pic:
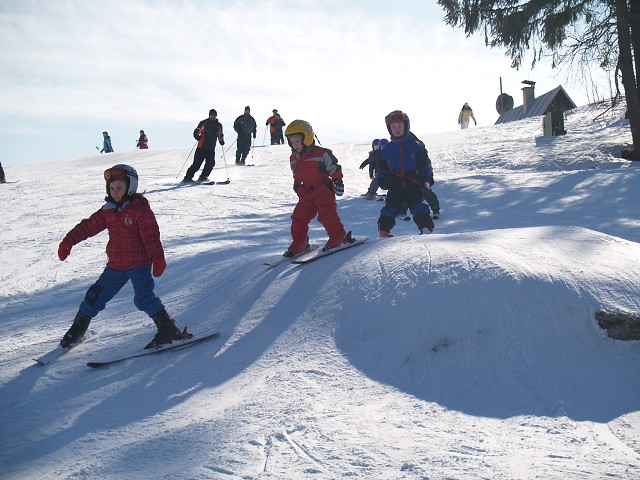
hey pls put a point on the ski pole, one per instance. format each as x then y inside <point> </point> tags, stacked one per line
<point>253,147</point>
<point>264,137</point>
<point>224,160</point>
<point>185,161</point>
<point>223,150</point>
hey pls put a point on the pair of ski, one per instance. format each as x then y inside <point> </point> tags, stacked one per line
<point>226,182</point>
<point>314,252</point>
<point>176,345</point>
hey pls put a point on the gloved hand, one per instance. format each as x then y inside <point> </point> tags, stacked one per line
<point>254,134</point>
<point>339,187</point>
<point>159,264</point>
<point>221,141</point>
<point>475,123</point>
<point>65,248</point>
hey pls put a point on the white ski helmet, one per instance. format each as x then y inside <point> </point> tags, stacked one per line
<point>122,171</point>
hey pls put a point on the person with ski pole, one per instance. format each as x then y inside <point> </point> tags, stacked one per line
<point>245,126</point>
<point>106,143</point>
<point>276,124</point>
<point>207,133</point>
<point>405,171</point>
<point>134,253</point>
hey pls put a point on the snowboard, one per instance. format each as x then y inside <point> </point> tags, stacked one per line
<point>315,255</point>
<point>282,259</point>
<point>176,345</point>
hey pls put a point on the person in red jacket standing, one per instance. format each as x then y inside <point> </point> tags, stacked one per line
<point>143,141</point>
<point>133,250</point>
<point>317,179</point>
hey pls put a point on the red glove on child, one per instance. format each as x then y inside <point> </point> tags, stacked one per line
<point>159,264</point>
<point>65,248</point>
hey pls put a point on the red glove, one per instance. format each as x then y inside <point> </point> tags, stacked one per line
<point>159,264</point>
<point>65,248</point>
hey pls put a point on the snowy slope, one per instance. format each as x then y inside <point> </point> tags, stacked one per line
<point>469,353</point>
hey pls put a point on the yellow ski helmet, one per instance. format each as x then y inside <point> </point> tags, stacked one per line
<point>303,127</point>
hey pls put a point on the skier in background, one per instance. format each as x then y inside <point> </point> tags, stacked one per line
<point>317,179</point>
<point>373,160</point>
<point>245,126</point>
<point>405,171</point>
<point>134,251</point>
<point>2,177</point>
<point>143,141</point>
<point>465,115</point>
<point>276,124</point>
<point>207,133</point>
<point>106,143</point>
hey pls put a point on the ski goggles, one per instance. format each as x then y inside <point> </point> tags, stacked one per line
<point>115,173</point>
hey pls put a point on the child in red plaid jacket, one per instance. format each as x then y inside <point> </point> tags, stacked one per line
<point>133,250</point>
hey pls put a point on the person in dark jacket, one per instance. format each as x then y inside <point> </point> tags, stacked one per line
<point>405,171</point>
<point>207,133</point>
<point>2,177</point>
<point>245,126</point>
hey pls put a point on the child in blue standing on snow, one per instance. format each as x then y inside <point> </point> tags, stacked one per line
<point>134,248</point>
<point>405,171</point>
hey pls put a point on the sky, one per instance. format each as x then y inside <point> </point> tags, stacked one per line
<point>72,69</point>
<point>473,352</point>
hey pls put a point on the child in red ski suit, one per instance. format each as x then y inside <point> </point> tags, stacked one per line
<point>134,248</point>
<point>317,179</point>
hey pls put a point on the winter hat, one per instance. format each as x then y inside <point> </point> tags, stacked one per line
<point>213,112</point>
<point>397,116</point>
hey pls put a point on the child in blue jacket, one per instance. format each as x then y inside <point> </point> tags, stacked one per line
<point>405,171</point>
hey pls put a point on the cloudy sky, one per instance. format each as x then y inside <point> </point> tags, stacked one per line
<point>71,69</point>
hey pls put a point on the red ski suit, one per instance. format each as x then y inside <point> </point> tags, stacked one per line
<point>134,236</point>
<point>314,172</point>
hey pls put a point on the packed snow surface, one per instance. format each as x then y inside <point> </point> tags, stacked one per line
<point>469,353</point>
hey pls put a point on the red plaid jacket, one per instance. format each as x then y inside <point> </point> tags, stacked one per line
<point>134,235</point>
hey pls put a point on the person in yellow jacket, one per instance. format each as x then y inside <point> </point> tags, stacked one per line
<point>465,114</point>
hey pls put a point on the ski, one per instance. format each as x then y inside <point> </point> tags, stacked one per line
<point>226,182</point>
<point>311,256</point>
<point>14,181</point>
<point>56,353</point>
<point>176,345</point>
<point>282,259</point>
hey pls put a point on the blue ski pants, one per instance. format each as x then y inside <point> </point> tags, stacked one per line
<point>110,283</point>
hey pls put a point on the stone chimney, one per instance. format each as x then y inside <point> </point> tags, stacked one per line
<point>528,94</point>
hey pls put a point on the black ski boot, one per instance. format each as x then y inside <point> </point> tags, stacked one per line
<point>75,334</point>
<point>167,330</point>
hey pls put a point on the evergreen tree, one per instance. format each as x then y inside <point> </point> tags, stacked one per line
<point>605,31</point>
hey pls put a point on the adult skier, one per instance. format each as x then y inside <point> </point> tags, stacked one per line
<point>106,143</point>
<point>207,133</point>
<point>245,126</point>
